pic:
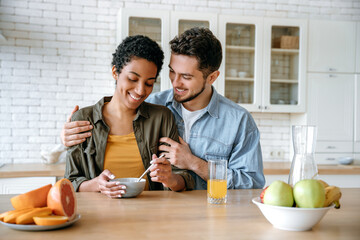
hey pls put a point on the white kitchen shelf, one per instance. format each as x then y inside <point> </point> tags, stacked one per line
<point>291,81</point>
<point>240,48</point>
<point>239,79</point>
<point>285,51</point>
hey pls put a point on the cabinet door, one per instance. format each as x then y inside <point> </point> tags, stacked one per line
<point>357,114</point>
<point>331,46</point>
<point>285,44</point>
<point>182,21</point>
<point>240,73</point>
<point>25,184</point>
<point>357,48</point>
<point>331,105</point>
<point>155,25</point>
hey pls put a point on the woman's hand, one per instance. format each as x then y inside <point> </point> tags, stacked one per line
<point>161,171</point>
<point>101,184</point>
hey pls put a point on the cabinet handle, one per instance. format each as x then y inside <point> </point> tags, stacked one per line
<point>331,147</point>
<point>330,159</point>
<point>259,107</point>
<point>332,75</point>
<point>332,69</point>
<point>266,107</point>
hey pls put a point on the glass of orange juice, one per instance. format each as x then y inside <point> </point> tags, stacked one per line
<point>217,182</point>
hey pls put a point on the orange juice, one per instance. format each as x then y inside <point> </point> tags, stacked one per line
<point>217,188</point>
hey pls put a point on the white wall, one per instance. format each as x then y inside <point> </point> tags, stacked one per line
<point>58,54</point>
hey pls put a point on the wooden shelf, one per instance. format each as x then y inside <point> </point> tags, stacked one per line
<point>239,79</point>
<point>240,48</point>
<point>285,51</point>
<point>291,81</point>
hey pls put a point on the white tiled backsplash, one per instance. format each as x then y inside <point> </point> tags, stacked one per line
<point>58,54</point>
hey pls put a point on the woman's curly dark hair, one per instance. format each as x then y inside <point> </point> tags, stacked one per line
<point>137,46</point>
<point>202,44</point>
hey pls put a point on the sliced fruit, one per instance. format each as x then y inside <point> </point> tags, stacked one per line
<point>4,214</point>
<point>27,218</point>
<point>11,217</point>
<point>33,199</point>
<point>50,220</point>
<point>62,199</point>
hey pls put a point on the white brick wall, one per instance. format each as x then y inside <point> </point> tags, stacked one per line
<point>58,54</point>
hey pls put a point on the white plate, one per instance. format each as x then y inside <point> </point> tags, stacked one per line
<point>33,227</point>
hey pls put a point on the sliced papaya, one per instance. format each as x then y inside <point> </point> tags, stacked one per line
<point>50,220</point>
<point>33,199</point>
<point>11,217</point>
<point>27,218</point>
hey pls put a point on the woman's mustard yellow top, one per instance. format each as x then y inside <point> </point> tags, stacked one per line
<point>122,157</point>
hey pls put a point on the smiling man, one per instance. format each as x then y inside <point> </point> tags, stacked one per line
<point>212,126</point>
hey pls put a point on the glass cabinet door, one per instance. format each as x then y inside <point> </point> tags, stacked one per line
<point>155,25</point>
<point>150,27</point>
<point>240,62</point>
<point>284,77</point>
<point>187,24</point>
<point>284,74</point>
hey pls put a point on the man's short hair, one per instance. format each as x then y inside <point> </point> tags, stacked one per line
<point>202,44</point>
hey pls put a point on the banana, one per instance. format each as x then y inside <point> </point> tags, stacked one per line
<point>332,195</point>
<point>323,183</point>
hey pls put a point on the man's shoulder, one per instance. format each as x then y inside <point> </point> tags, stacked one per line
<point>160,97</point>
<point>235,113</point>
<point>229,106</point>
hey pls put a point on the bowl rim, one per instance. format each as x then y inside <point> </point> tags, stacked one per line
<point>119,180</point>
<point>256,200</point>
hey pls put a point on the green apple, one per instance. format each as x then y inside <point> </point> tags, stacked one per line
<point>279,193</point>
<point>309,193</point>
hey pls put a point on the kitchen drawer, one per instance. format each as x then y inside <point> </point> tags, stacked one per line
<point>357,147</point>
<point>330,158</point>
<point>333,147</point>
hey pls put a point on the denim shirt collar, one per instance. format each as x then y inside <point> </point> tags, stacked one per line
<point>212,108</point>
<point>98,115</point>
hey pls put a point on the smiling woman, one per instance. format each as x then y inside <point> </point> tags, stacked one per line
<point>126,130</point>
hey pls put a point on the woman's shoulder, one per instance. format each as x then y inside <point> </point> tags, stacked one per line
<point>85,113</point>
<point>159,110</point>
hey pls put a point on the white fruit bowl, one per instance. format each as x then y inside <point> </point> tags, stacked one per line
<point>291,218</point>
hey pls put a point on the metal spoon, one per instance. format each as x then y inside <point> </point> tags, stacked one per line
<point>147,170</point>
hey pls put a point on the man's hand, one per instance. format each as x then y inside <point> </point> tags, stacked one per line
<point>161,171</point>
<point>74,133</point>
<point>179,154</point>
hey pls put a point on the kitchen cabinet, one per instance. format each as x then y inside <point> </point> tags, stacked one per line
<point>331,105</point>
<point>331,109</point>
<point>154,24</point>
<point>331,46</point>
<point>357,62</point>
<point>182,21</point>
<point>240,77</point>
<point>357,115</point>
<point>23,184</point>
<point>342,180</point>
<point>264,63</point>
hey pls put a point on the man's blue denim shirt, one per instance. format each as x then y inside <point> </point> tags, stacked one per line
<point>224,131</point>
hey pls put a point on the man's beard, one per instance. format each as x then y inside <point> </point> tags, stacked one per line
<point>195,95</point>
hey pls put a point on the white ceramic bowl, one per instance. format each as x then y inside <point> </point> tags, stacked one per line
<point>133,187</point>
<point>345,160</point>
<point>242,74</point>
<point>291,218</point>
